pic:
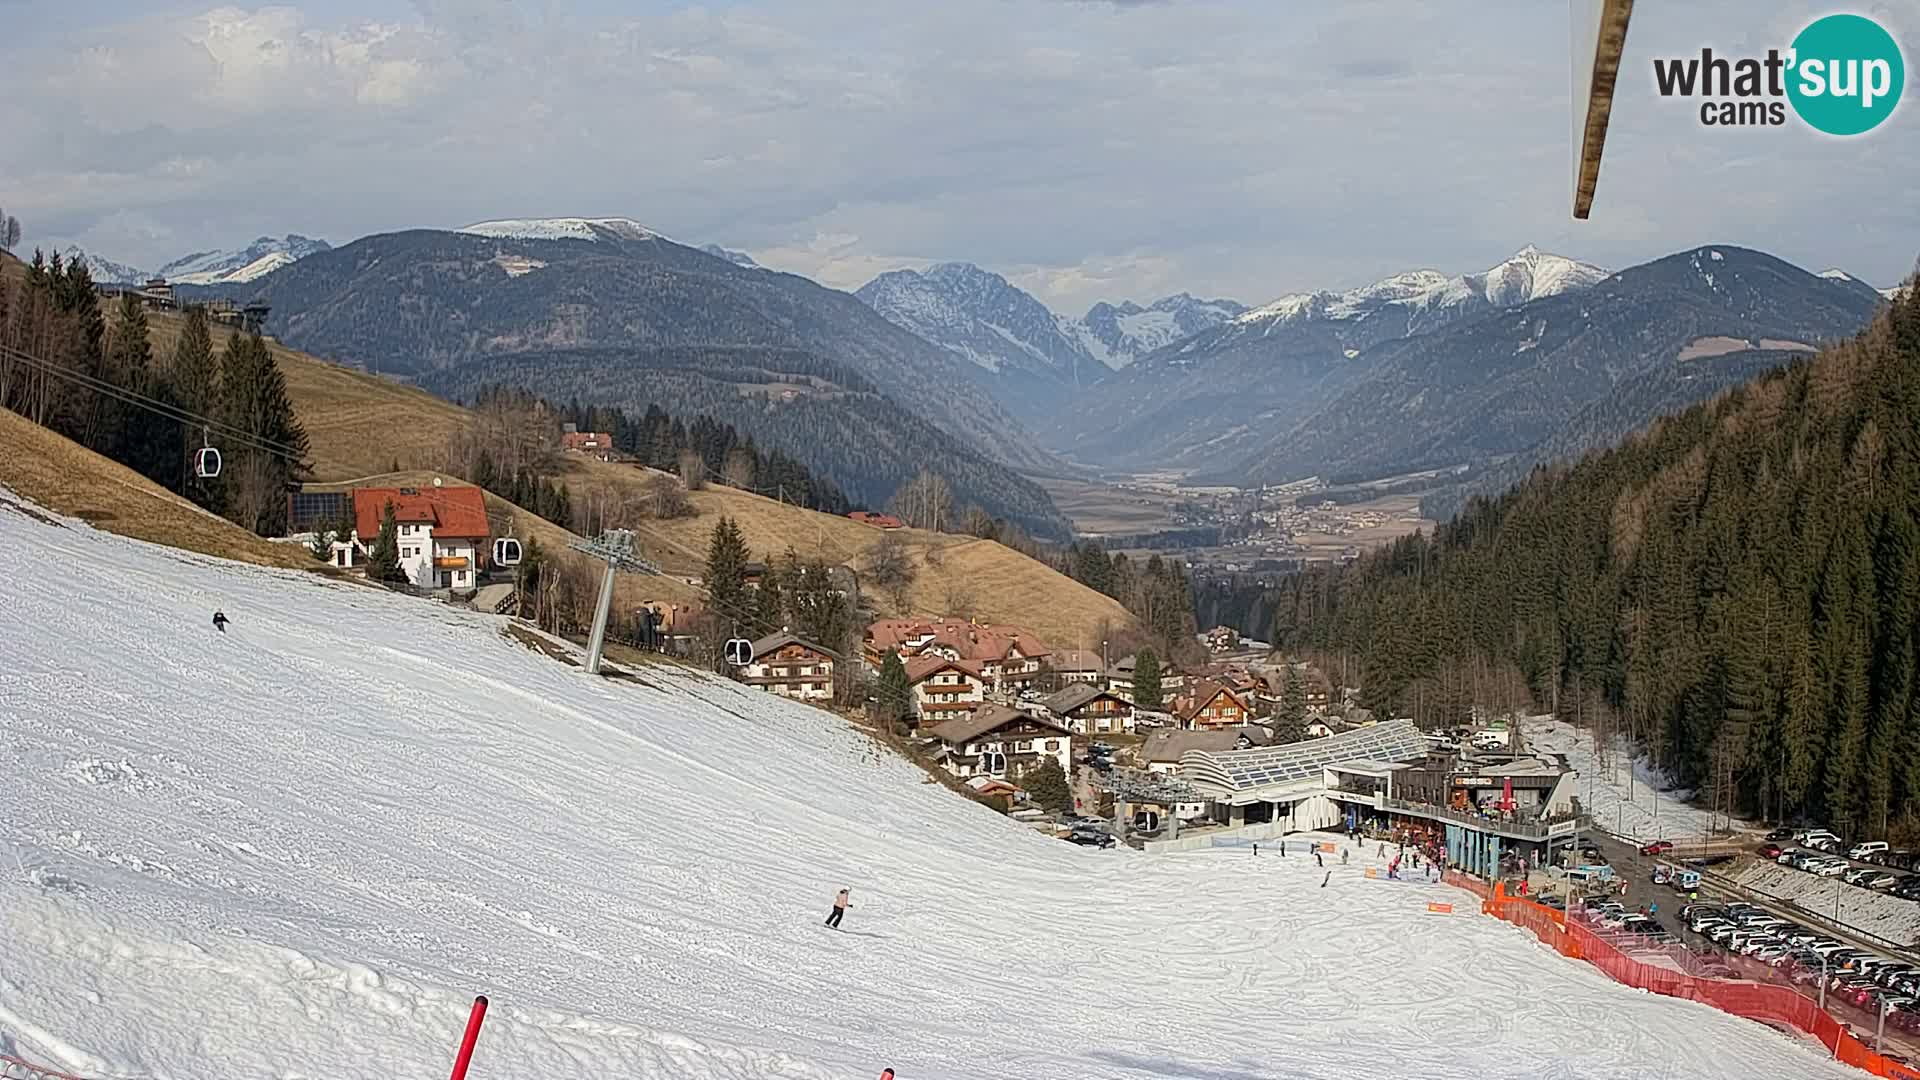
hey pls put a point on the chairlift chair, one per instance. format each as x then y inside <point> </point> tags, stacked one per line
<point>506,551</point>
<point>739,652</point>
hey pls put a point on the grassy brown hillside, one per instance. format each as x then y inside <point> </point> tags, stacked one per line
<point>62,475</point>
<point>359,424</point>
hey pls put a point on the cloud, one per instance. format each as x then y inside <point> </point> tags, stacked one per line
<point>1089,150</point>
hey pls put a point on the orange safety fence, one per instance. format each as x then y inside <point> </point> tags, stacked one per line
<point>1769,1004</point>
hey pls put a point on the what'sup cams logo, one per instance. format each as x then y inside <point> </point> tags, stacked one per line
<point>1842,75</point>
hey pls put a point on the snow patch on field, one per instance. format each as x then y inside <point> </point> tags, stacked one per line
<point>299,848</point>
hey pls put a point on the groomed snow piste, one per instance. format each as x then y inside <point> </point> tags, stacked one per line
<point>299,848</point>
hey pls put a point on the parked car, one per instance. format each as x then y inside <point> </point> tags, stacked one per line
<point>1658,847</point>
<point>1869,847</point>
<point>1780,834</point>
<point>1091,838</point>
<point>1770,851</point>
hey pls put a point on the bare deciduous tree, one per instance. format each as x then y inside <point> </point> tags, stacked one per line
<point>667,499</point>
<point>924,502</point>
<point>738,470</point>
<point>693,470</point>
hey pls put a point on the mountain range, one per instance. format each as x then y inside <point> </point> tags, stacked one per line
<point>233,266</point>
<point>416,304</point>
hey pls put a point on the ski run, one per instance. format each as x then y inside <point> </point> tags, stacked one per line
<point>299,848</point>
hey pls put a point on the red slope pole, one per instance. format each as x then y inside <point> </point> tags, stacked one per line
<point>473,1035</point>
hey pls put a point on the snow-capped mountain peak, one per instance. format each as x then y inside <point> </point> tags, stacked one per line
<point>737,258</point>
<point>563,228</point>
<point>265,255</point>
<point>1529,274</point>
<point>979,315</point>
<point>105,271</point>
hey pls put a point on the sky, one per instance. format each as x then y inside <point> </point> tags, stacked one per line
<point>1087,149</point>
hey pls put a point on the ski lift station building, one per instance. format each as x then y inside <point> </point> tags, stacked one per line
<point>1387,775</point>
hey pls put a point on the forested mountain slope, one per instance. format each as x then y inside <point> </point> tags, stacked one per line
<point>1740,584</point>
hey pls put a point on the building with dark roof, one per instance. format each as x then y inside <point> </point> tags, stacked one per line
<point>1001,742</point>
<point>790,666</point>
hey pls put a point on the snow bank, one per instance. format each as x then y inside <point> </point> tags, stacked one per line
<point>298,848</point>
<point>1876,913</point>
<point>1648,808</point>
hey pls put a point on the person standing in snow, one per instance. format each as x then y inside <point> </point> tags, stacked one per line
<point>840,906</point>
<point>1343,856</point>
<point>1256,849</point>
<point>220,621</point>
<point>1317,861</point>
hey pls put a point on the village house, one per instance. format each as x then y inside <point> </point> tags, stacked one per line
<point>1085,709</point>
<point>878,521</point>
<point>943,688</point>
<point>595,444</point>
<point>1009,657</point>
<point>441,533</point>
<point>1221,639</point>
<point>1078,666</point>
<point>1001,742</point>
<point>1161,753</point>
<point>1211,705</point>
<point>790,666</point>
<point>1120,678</point>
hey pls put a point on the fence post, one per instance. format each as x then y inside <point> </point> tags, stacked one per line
<point>474,1018</point>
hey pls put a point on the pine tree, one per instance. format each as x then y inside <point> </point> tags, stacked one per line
<point>1146,681</point>
<point>383,558</point>
<point>193,383</point>
<point>892,693</point>
<point>258,477</point>
<point>1292,717</point>
<point>770,604</point>
<point>726,577</point>
<point>1046,784</point>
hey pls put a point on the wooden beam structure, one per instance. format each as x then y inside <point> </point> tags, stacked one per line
<point>1599,36</point>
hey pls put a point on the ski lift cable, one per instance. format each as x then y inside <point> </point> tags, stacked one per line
<point>166,410</point>
<point>175,413</point>
<point>244,439</point>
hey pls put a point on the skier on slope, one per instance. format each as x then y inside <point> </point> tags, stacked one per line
<point>840,906</point>
<point>220,621</point>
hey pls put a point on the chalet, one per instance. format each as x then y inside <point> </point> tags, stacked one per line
<point>1085,709</point>
<point>878,521</point>
<point>1163,749</point>
<point>1009,657</point>
<point>1001,742</point>
<point>788,665</point>
<point>1210,705</point>
<point>1221,639</point>
<point>441,533</point>
<point>1078,666</point>
<point>1120,677</point>
<point>944,689</point>
<point>596,444</point>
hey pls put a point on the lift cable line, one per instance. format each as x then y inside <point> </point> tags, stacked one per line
<point>242,438</point>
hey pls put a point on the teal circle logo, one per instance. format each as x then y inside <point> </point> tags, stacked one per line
<point>1846,74</point>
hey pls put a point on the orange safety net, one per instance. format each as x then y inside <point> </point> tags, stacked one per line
<point>1779,1006</point>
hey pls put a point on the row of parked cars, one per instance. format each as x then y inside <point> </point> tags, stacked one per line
<point>1859,978</point>
<point>1615,916</point>
<point>1819,856</point>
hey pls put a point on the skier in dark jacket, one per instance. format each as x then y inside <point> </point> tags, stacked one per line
<point>220,621</point>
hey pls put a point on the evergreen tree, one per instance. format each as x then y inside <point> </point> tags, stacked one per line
<point>770,605</point>
<point>146,441</point>
<point>1291,720</point>
<point>258,477</point>
<point>193,383</point>
<point>893,694</point>
<point>820,612</point>
<point>1146,680</point>
<point>726,577</point>
<point>383,558</point>
<point>1046,784</point>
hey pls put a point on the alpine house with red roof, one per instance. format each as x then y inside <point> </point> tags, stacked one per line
<point>442,531</point>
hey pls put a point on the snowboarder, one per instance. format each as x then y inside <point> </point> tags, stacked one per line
<point>220,621</point>
<point>840,906</point>
<point>886,1074</point>
<point>1256,849</point>
<point>1382,853</point>
<point>1317,861</point>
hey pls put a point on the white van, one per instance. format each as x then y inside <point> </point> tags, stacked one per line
<point>1861,851</point>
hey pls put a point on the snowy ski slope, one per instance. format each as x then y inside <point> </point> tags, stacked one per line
<point>297,850</point>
